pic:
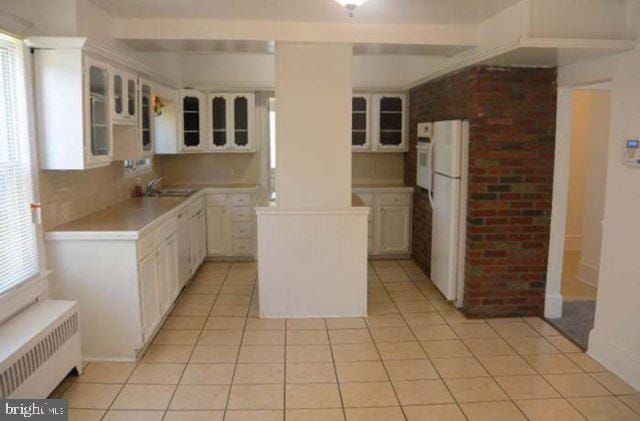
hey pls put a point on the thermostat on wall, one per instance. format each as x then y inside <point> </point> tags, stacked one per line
<point>632,152</point>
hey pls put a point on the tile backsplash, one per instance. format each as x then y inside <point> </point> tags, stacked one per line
<point>377,168</point>
<point>208,168</point>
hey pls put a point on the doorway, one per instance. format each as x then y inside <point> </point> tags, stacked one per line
<point>587,166</point>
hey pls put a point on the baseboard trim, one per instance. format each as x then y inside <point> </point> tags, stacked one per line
<point>620,361</point>
<point>553,306</point>
<point>588,273</point>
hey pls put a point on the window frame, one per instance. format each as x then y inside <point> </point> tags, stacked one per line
<point>35,288</point>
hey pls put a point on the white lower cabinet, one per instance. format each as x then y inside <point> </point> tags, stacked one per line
<point>389,219</point>
<point>198,229</point>
<point>149,284</point>
<point>231,223</point>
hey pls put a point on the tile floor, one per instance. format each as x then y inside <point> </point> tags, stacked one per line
<point>415,357</point>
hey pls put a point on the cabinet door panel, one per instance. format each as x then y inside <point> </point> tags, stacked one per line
<point>216,231</point>
<point>218,121</point>
<point>146,119</point>
<point>193,119</point>
<point>394,229</point>
<point>184,246</point>
<point>360,125</point>
<point>150,300</point>
<point>389,121</point>
<point>99,105</point>
<point>242,108</point>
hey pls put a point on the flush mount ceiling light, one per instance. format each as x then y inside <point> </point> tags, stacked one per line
<point>350,5</point>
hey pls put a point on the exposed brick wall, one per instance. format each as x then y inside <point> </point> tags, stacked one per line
<point>511,113</point>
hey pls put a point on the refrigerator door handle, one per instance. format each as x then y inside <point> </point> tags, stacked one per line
<point>432,170</point>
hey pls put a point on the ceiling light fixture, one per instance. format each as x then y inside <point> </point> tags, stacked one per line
<point>350,5</point>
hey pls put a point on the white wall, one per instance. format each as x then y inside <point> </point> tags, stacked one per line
<point>615,340</point>
<point>313,108</point>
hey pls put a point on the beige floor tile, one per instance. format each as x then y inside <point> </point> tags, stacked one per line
<point>200,397</point>
<point>346,323</point>
<point>91,395</point>
<point>361,371</point>
<point>494,346</point>
<point>310,373</point>
<point>474,331</point>
<point>420,369</point>
<point>184,322</point>
<point>563,344</point>
<point>168,354</point>
<point>269,396</point>
<point>614,383</point>
<point>263,337</point>
<point>211,354</point>
<point>552,364</point>
<point>509,329</point>
<point>576,385</point>
<point>368,394</point>
<point>194,416</point>
<point>157,373</point>
<point>446,412</point>
<point>259,373</point>
<point>355,352</point>
<point>408,307</point>
<point>308,354</point>
<point>532,345</point>
<point>207,299</point>
<point>314,395</point>
<point>349,336</point>
<point>435,333</point>
<point>382,308</point>
<point>229,309</point>
<point>228,323</point>
<point>233,299</point>
<point>418,320</point>
<point>479,389</point>
<point>422,392</point>
<point>176,337</point>
<point>314,415</point>
<point>306,324</point>
<point>307,337</point>
<point>492,411</point>
<point>124,415</point>
<point>392,334</point>
<point>549,409</point>
<point>585,362</point>
<point>220,337</point>
<point>506,365</point>
<point>191,310</point>
<point>451,368</point>
<point>252,415</point>
<point>455,316</point>
<point>261,354</point>
<point>85,414</point>
<point>400,350</point>
<point>604,409</point>
<point>106,372</point>
<point>393,413</point>
<point>526,387</point>
<point>542,327</point>
<point>445,349</point>
<point>207,374</point>
<point>144,396</point>
<point>385,320</point>
<point>633,401</point>
<point>256,323</point>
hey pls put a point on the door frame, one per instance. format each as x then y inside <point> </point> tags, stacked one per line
<point>562,157</point>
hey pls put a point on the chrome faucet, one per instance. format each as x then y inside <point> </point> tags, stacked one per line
<point>151,186</point>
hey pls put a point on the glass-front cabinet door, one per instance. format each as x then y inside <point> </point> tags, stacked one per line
<point>124,97</point>
<point>389,122</point>
<point>131,98</point>
<point>98,137</point>
<point>243,121</point>
<point>360,136</point>
<point>219,121</point>
<point>192,120</point>
<point>146,119</point>
<point>118,95</point>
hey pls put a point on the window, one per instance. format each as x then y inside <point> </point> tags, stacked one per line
<point>137,166</point>
<point>19,256</point>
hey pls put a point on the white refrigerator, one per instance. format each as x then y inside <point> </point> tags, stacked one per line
<point>448,194</point>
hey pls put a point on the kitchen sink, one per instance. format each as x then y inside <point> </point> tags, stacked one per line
<point>172,193</point>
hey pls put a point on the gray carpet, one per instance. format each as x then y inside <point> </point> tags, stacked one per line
<point>576,321</point>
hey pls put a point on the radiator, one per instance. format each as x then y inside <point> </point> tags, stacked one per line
<point>39,347</point>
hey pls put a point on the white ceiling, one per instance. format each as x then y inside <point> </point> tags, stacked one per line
<point>373,11</point>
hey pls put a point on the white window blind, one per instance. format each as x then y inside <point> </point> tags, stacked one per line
<point>18,241</point>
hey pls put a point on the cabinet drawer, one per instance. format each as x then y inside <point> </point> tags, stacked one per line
<point>395,199</point>
<point>239,199</point>
<point>167,229</point>
<point>240,214</point>
<point>241,230</point>
<point>147,244</point>
<point>216,199</point>
<point>196,207</point>
<point>242,247</point>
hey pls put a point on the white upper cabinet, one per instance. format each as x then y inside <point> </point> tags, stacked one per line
<point>193,121</point>
<point>146,120</point>
<point>99,140</point>
<point>125,97</point>
<point>231,122</point>
<point>389,122</point>
<point>360,122</point>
